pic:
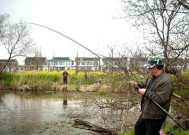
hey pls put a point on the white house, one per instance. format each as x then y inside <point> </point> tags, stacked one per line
<point>87,63</point>
<point>60,63</point>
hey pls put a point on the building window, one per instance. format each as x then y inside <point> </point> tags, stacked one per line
<point>82,63</point>
<point>95,63</point>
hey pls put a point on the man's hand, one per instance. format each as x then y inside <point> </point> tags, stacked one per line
<point>133,83</point>
<point>142,91</point>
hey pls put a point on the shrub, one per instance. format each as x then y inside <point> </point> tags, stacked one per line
<point>101,92</point>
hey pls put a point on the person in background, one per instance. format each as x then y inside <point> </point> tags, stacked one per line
<point>158,88</point>
<point>65,77</point>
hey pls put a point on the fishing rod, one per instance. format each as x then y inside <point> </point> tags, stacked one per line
<point>169,115</point>
<point>64,36</point>
<point>128,79</point>
<point>101,57</point>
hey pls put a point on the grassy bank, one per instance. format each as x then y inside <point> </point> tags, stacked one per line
<point>168,130</point>
<point>52,80</point>
<point>46,80</point>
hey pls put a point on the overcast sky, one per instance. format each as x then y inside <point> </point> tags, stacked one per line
<point>92,23</point>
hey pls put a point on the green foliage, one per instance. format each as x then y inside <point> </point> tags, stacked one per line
<point>87,82</point>
<point>55,78</point>
<point>129,132</point>
<point>32,78</point>
<point>169,128</point>
<point>74,77</point>
<point>7,77</point>
<point>101,92</point>
<point>86,77</point>
<point>48,79</point>
<point>77,87</point>
<point>182,92</point>
<point>186,73</point>
<point>180,81</point>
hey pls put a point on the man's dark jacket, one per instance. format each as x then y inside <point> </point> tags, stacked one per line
<point>160,91</point>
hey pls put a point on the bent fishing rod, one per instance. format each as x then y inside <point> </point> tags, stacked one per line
<point>64,36</point>
<point>126,77</point>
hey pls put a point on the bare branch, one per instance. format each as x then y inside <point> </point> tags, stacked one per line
<point>15,38</point>
<point>165,30</point>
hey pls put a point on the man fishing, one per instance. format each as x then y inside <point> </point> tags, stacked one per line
<point>157,88</point>
<point>65,77</point>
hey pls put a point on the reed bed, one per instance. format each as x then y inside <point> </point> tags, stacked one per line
<point>50,80</point>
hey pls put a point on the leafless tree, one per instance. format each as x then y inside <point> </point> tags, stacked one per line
<point>15,38</point>
<point>165,27</point>
<point>3,19</point>
<point>184,3</point>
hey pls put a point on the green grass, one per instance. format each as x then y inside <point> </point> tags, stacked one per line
<point>168,128</point>
<point>129,132</point>
<point>182,92</point>
<point>101,92</point>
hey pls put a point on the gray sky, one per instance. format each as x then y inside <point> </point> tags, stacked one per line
<point>89,22</point>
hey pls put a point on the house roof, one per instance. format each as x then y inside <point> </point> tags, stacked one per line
<point>35,59</point>
<point>114,58</point>
<point>87,59</point>
<point>5,60</point>
<point>61,58</point>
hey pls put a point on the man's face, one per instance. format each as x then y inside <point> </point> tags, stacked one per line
<point>152,70</point>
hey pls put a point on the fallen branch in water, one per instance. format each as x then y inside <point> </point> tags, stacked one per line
<point>86,125</point>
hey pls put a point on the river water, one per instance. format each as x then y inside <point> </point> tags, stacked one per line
<point>54,113</point>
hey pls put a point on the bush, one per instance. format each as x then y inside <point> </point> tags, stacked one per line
<point>7,78</point>
<point>180,81</point>
<point>101,92</point>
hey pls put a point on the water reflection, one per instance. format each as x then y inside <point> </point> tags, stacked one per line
<point>19,109</point>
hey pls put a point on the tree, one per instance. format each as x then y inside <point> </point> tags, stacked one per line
<point>164,24</point>
<point>15,38</point>
<point>184,3</point>
<point>3,19</point>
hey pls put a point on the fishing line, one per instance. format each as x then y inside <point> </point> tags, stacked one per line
<point>65,37</point>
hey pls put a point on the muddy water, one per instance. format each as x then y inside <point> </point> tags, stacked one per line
<point>54,112</point>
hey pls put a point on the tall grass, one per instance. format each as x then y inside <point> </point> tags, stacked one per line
<point>35,79</point>
<point>49,79</point>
